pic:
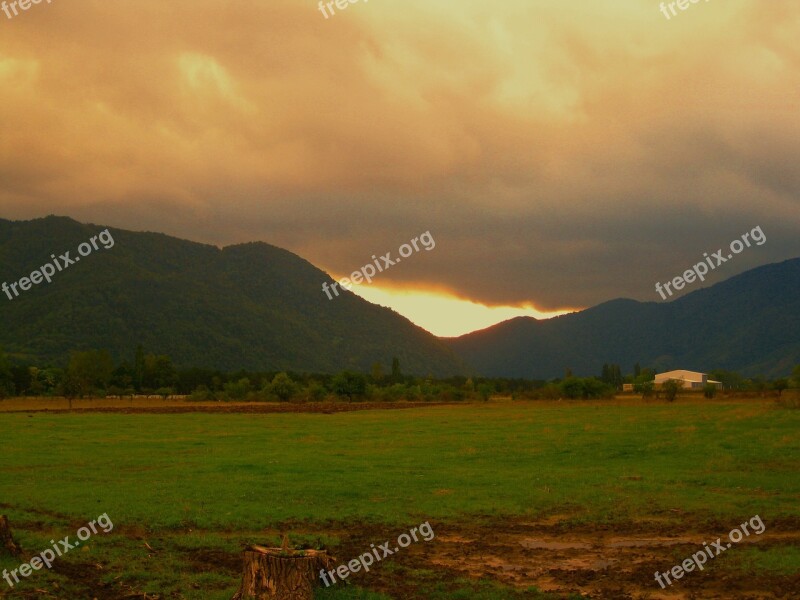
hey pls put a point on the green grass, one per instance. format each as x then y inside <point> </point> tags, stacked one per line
<point>784,560</point>
<point>226,477</point>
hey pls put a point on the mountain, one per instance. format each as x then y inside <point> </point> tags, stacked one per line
<point>249,306</point>
<point>749,323</point>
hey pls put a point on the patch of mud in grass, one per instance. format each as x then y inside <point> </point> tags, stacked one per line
<point>600,564</point>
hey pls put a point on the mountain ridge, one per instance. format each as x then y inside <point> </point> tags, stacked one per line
<point>245,306</point>
<point>703,330</point>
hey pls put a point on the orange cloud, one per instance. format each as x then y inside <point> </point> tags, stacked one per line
<point>562,153</point>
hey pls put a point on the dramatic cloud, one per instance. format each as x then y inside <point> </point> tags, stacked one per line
<point>562,153</point>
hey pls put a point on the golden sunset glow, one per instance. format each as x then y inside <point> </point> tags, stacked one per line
<point>562,153</point>
<point>445,315</point>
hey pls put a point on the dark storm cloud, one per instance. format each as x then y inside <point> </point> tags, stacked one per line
<point>561,153</point>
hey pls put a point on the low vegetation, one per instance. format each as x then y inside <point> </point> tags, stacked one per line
<point>94,374</point>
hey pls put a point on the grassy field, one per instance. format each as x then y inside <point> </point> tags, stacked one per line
<point>186,492</point>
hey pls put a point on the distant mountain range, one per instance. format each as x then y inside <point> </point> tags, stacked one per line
<point>749,323</point>
<point>258,307</point>
<point>249,306</point>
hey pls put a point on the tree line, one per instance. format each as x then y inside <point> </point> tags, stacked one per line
<point>93,373</point>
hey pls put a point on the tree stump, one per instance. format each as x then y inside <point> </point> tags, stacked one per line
<point>281,573</point>
<point>6,539</point>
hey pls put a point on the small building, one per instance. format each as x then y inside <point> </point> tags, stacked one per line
<point>692,380</point>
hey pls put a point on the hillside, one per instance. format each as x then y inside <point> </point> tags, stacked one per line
<point>749,323</point>
<point>249,306</point>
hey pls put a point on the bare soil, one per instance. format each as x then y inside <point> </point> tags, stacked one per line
<point>595,561</point>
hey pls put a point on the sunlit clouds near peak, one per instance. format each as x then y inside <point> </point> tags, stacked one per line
<point>443,314</point>
<point>563,153</point>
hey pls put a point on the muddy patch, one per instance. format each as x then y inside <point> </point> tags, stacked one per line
<point>601,564</point>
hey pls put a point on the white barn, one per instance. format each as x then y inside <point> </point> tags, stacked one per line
<point>691,379</point>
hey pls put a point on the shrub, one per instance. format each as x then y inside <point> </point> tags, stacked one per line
<point>594,388</point>
<point>238,390</point>
<point>549,392</point>
<point>202,394</point>
<point>572,387</point>
<point>645,388</point>
<point>485,391</point>
<point>395,392</point>
<point>282,386</point>
<point>780,385</point>
<point>316,391</point>
<point>671,388</point>
<point>413,393</point>
<point>349,384</point>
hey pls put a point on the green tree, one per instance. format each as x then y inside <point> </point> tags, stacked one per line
<point>37,389</point>
<point>758,384</point>
<point>395,392</point>
<point>123,377</point>
<point>730,379</point>
<point>594,388</point>
<point>780,384</point>
<point>87,372</point>
<point>238,390</point>
<point>671,388</point>
<point>612,375</point>
<point>645,388</point>
<point>282,386</point>
<point>377,372</point>
<point>49,380</point>
<point>316,391</point>
<point>22,380</point>
<point>159,372</point>
<point>573,387</point>
<point>350,384</point>
<point>201,394</point>
<point>6,377</point>
<point>709,390</point>
<point>397,375</point>
<point>165,392</point>
<point>796,377</point>
<point>138,368</point>
<point>70,388</point>
<point>485,390</point>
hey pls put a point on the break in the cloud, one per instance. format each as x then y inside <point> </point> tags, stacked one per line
<point>563,153</point>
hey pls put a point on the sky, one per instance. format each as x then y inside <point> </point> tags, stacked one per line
<point>561,153</point>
